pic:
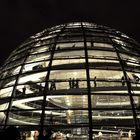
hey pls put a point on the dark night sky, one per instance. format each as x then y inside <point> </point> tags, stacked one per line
<point>21,18</point>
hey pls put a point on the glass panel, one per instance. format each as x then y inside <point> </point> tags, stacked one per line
<point>8,82</point>
<point>98,39</point>
<point>129,58</point>
<point>102,63</point>
<point>30,88</point>
<point>29,102</point>
<point>67,61</point>
<point>26,107</point>
<point>24,48</point>
<point>104,45</point>
<point>80,133</point>
<point>48,37</point>
<point>70,39</point>
<point>105,78</point>
<point>102,54</point>
<point>19,55</point>
<point>111,101</point>
<point>73,25</point>
<point>14,63</point>
<point>113,117</point>
<point>40,49</point>
<point>22,90</point>
<point>68,101</point>
<point>6,92</point>
<point>69,45</point>
<point>37,77</point>
<point>11,72</point>
<point>65,79</point>
<point>55,31</point>
<point>103,60</point>
<point>72,32</point>
<point>106,74</point>
<point>69,54</point>
<point>131,66</point>
<point>96,33</point>
<point>24,117</point>
<point>66,74</point>
<point>114,125</point>
<point>38,57</point>
<point>134,78</point>
<point>35,66</point>
<point>58,84</point>
<point>65,117</point>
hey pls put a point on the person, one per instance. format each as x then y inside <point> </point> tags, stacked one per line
<point>24,136</point>
<point>73,83</point>
<point>76,83</point>
<point>136,78</point>
<point>12,133</point>
<point>36,134</point>
<point>50,48</point>
<point>58,48</point>
<point>73,46</point>
<point>95,81</point>
<point>58,136</point>
<point>70,83</point>
<point>44,136</point>
<point>130,135</point>
<point>40,88</point>
<point>123,81</point>
<point>91,43</point>
<point>53,86</point>
<point>24,90</point>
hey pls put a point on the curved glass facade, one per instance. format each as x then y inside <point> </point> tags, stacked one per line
<point>79,78</point>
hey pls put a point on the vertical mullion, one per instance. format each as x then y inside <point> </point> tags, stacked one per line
<point>47,83</point>
<point>88,85</point>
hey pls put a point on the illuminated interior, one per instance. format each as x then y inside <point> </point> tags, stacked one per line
<point>75,77</point>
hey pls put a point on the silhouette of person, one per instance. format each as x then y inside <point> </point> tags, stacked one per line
<point>73,46</point>
<point>76,83</point>
<point>91,43</point>
<point>12,133</point>
<point>44,136</point>
<point>24,90</point>
<point>2,134</point>
<point>123,81</point>
<point>58,48</point>
<point>95,84</point>
<point>136,77</point>
<point>40,88</point>
<point>70,83</point>
<point>53,86</point>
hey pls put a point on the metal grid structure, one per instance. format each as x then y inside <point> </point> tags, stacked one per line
<point>76,77</point>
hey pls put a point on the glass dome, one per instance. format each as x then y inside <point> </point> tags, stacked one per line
<point>79,78</point>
